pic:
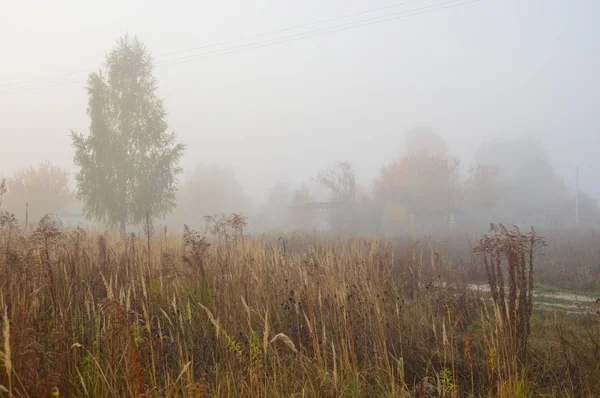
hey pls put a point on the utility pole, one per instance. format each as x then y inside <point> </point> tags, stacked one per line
<point>577,195</point>
<point>26,217</point>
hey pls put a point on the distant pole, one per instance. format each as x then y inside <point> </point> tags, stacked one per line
<point>577,195</point>
<point>26,217</point>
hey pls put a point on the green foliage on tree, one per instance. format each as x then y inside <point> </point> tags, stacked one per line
<point>129,161</point>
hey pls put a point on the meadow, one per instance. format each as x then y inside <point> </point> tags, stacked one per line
<point>218,313</point>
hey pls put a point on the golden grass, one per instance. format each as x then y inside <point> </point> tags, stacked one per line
<point>87,314</point>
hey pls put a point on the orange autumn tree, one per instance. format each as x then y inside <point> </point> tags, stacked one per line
<point>421,187</point>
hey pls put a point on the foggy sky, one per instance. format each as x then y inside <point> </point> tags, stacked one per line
<point>490,70</point>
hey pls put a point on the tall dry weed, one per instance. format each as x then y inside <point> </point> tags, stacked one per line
<point>515,251</point>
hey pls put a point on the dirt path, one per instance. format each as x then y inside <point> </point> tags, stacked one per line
<point>565,301</point>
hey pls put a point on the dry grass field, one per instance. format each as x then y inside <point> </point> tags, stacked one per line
<point>87,314</point>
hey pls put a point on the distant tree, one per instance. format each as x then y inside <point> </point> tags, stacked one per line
<point>340,180</point>
<point>483,192</point>
<point>532,191</point>
<point>424,185</point>
<point>45,189</point>
<point>129,162</point>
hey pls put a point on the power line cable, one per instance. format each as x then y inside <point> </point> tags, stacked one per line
<point>28,89</point>
<point>317,32</point>
<point>86,71</point>
<point>288,38</point>
<point>270,42</point>
<point>305,25</point>
<point>244,47</point>
<point>41,79</point>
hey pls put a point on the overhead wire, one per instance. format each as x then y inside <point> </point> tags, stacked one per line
<point>266,43</point>
<point>86,71</point>
<point>318,32</point>
<point>304,25</point>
